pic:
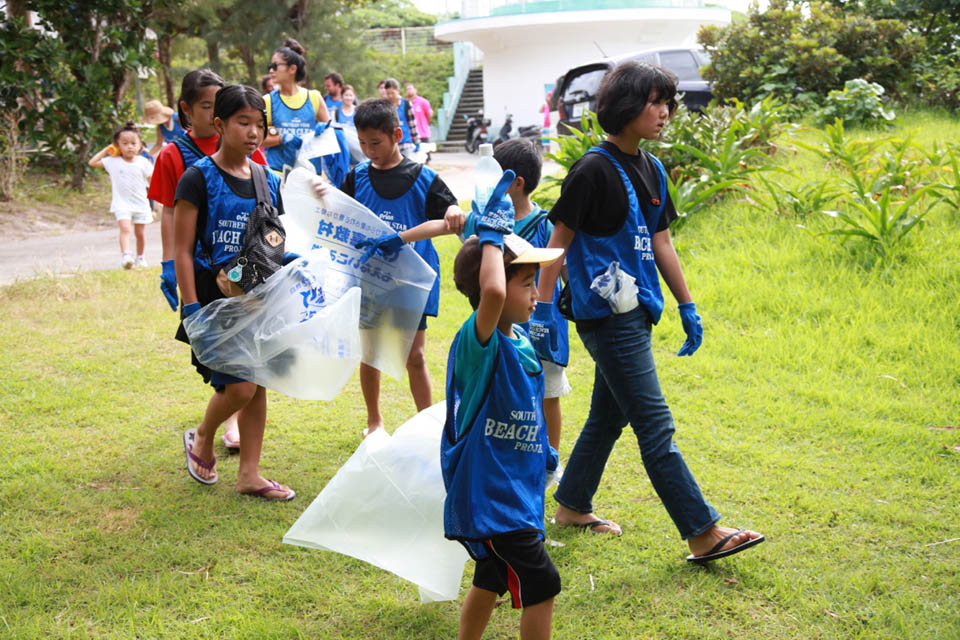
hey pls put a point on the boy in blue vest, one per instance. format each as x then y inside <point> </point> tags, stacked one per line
<point>522,156</point>
<point>404,194</point>
<point>494,450</point>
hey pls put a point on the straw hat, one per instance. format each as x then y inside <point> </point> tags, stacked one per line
<point>156,113</point>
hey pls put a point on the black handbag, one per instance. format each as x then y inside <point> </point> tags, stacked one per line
<point>263,243</point>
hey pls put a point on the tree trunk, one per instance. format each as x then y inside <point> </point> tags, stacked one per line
<point>250,62</point>
<point>80,166</point>
<point>213,55</point>
<point>163,54</point>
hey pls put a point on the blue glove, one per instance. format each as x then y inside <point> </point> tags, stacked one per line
<point>190,309</point>
<point>386,245</point>
<point>290,256</point>
<point>496,219</point>
<point>543,331</point>
<point>168,283</point>
<point>692,326</point>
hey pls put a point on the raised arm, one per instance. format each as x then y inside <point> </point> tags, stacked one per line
<point>97,160</point>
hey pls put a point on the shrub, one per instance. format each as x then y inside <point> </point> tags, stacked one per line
<point>937,80</point>
<point>860,103</point>
<point>799,55</point>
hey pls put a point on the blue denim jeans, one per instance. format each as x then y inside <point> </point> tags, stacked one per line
<point>626,389</point>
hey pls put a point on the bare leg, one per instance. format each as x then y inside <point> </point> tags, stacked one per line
<point>125,226</point>
<point>251,421</point>
<point>232,432</point>
<point>370,385</point>
<point>535,621</point>
<point>419,374</point>
<point>551,411</point>
<point>475,613</point>
<point>221,406</point>
<point>141,239</point>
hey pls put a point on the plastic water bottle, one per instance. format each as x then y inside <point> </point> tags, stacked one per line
<point>486,175</point>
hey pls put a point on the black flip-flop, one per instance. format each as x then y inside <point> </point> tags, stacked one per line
<point>716,554</point>
<point>593,525</point>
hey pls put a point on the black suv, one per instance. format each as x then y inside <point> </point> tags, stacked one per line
<point>578,87</point>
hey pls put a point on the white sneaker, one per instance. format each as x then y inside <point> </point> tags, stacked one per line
<point>126,260</point>
<point>141,261</point>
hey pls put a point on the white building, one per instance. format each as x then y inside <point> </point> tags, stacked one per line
<point>524,46</point>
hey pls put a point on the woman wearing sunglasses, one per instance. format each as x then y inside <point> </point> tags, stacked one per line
<point>292,110</point>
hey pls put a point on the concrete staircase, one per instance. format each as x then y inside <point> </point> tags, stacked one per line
<point>471,101</point>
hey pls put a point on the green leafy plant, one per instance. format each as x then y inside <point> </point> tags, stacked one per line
<point>883,219</point>
<point>800,201</point>
<point>577,143</point>
<point>860,103</point>
<point>692,195</point>
<point>841,152</point>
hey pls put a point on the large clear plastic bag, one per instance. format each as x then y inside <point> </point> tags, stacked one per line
<point>291,334</point>
<point>395,290</point>
<point>385,506</point>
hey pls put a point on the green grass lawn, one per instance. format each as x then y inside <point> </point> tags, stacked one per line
<point>823,409</point>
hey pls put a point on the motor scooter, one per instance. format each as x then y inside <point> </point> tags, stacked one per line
<point>476,131</point>
<point>530,131</point>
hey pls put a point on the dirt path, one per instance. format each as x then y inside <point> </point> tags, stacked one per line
<point>41,242</point>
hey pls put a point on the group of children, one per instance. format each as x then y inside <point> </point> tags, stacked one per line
<point>505,368</point>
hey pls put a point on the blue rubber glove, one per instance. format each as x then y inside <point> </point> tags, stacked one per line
<point>190,309</point>
<point>543,331</point>
<point>692,326</point>
<point>290,256</point>
<point>496,219</point>
<point>386,245</point>
<point>168,283</point>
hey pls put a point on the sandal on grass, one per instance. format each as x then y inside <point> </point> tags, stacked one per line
<point>189,436</point>
<point>716,554</point>
<point>273,486</point>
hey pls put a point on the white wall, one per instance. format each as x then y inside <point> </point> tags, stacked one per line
<point>521,53</point>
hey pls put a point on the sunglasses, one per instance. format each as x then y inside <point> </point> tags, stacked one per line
<point>273,65</point>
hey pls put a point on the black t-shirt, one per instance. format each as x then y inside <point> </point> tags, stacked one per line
<point>393,183</point>
<point>193,188</point>
<point>594,200</point>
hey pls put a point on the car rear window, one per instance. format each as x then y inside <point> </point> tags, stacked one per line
<point>682,63</point>
<point>583,86</point>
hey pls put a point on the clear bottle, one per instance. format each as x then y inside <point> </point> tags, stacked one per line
<point>486,175</point>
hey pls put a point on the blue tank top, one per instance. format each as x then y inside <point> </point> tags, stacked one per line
<point>221,234</point>
<point>403,213</point>
<point>296,122</point>
<point>189,151</point>
<point>632,246</point>
<point>495,471</point>
<point>169,135</point>
<point>404,124</point>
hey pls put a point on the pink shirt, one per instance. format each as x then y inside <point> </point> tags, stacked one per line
<point>422,113</point>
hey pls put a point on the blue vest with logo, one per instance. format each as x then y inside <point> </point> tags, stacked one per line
<point>495,471</point>
<point>189,151</point>
<point>220,235</point>
<point>169,135</point>
<point>632,246</point>
<point>401,214</point>
<point>296,122</point>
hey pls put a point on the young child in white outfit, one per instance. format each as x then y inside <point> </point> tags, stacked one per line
<point>130,175</point>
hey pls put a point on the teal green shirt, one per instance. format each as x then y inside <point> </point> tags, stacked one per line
<point>474,362</point>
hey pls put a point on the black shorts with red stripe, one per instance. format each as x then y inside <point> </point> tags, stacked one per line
<point>518,563</point>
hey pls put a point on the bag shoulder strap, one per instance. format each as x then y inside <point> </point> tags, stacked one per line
<point>260,186</point>
<point>531,229</point>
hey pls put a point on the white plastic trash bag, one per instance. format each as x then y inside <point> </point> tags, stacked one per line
<point>617,287</point>
<point>394,290</point>
<point>385,507</point>
<point>290,334</point>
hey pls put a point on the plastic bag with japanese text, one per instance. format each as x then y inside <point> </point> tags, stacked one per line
<point>291,334</point>
<point>385,506</point>
<point>395,289</point>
